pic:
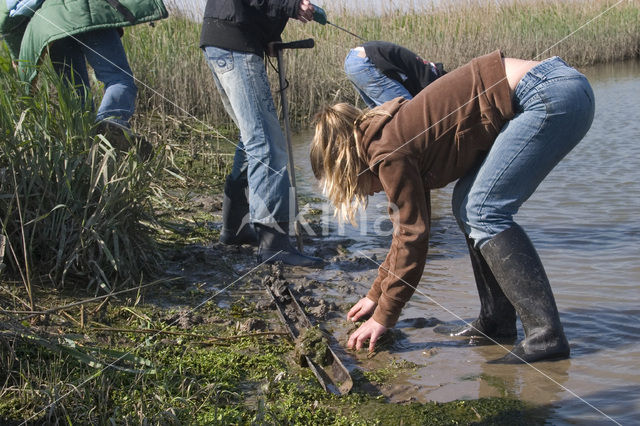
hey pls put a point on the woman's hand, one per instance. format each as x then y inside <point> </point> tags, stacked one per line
<point>364,307</point>
<point>370,330</point>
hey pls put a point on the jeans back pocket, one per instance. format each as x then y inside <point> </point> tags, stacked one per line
<point>220,60</point>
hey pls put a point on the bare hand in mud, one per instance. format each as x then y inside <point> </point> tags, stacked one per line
<point>370,330</point>
<point>363,308</point>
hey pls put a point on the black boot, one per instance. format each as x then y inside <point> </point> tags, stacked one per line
<point>497,319</point>
<point>517,268</point>
<point>236,226</point>
<point>274,246</point>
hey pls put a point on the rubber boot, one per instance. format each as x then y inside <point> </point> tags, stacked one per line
<point>497,319</point>
<point>236,226</point>
<point>274,246</point>
<point>519,271</point>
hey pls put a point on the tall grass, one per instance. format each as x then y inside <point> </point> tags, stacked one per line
<point>167,56</point>
<point>71,207</point>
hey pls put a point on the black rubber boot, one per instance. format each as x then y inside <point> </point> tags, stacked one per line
<point>274,246</point>
<point>236,226</point>
<point>497,319</point>
<point>519,271</point>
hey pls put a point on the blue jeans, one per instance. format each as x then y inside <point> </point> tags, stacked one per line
<point>554,107</point>
<point>374,87</point>
<point>241,79</point>
<point>103,50</point>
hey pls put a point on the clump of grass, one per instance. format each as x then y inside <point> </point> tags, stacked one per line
<point>72,208</point>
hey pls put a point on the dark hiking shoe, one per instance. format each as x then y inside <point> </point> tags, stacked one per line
<point>274,246</point>
<point>123,139</point>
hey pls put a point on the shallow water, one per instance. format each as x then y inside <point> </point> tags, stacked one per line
<point>583,221</point>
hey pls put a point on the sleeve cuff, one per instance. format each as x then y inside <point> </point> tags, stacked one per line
<point>388,311</point>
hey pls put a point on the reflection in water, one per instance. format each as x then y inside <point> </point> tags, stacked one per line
<point>583,219</point>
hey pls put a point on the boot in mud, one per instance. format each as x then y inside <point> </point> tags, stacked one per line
<point>519,271</point>
<point>497,318</point>
<point>236,226</point>
<point>274,246</point>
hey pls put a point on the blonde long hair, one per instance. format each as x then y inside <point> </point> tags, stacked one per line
<point>336,158</point>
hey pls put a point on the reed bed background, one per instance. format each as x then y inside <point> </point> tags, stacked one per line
<point>167,57</point>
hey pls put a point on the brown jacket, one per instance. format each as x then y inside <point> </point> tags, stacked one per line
<point>426,143</point>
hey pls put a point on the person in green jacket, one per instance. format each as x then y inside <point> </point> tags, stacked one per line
<point>77,33</point>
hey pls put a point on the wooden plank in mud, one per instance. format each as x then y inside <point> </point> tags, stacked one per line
<point>333,377</point>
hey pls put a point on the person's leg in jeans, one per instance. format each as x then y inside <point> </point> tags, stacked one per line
<point>104,52</point>
<point>374,87</point>
<point>242,81</point>
<point>554,109</point>
<point>106,55</point>
<point>237,228</point>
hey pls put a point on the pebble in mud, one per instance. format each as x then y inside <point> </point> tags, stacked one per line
<point>265,305</point>
<point>252,324</point>
<point>362,278</point>
<point>322,309</point>
<point>305,286</point>
<point>308,301</point>
<point>430,352</point>
<point>185,319</point>
<point>319,308</point>
<point>346,289</point>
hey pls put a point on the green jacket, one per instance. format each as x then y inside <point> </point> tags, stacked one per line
<point>56,19</point>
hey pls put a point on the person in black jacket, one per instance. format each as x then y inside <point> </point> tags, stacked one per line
<point>235,37</point>
<point>382,71</point>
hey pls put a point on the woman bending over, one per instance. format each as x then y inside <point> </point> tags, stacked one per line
<point>498,126</point>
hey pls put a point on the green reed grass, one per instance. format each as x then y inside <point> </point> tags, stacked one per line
<point>167,56</point>
<point>72,208</point>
